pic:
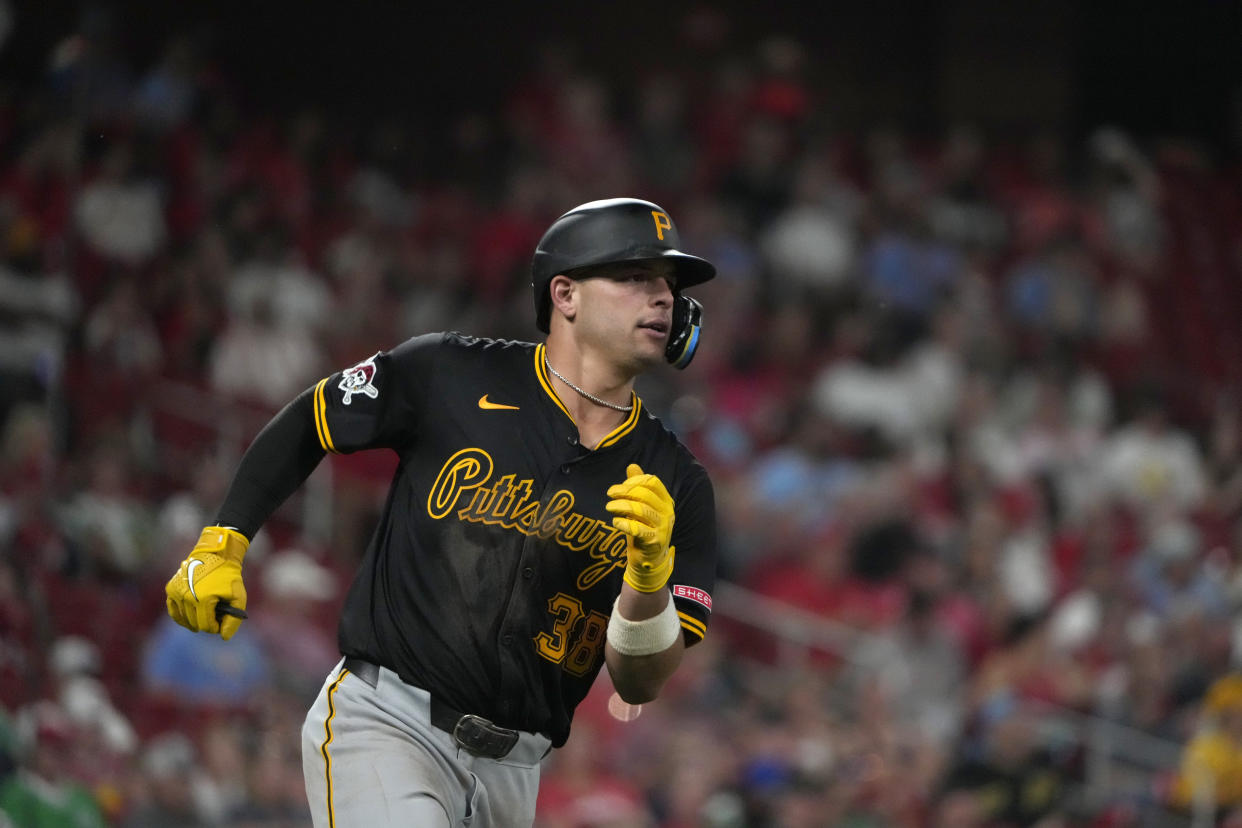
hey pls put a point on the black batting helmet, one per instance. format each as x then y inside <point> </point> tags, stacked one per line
<point>606,232</point>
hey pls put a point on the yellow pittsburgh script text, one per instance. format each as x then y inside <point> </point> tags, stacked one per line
<point>512,504</point>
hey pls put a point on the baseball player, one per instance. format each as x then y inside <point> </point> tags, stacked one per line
<point>541,524</point>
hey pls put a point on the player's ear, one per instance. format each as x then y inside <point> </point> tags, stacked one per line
<point>564,295</point>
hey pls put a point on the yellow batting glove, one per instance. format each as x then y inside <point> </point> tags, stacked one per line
<point>643,509</point>
<point>209,576</point>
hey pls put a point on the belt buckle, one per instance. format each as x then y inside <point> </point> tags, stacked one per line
<point>481,737</point>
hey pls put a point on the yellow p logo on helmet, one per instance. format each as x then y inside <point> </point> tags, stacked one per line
<point>662,223</point>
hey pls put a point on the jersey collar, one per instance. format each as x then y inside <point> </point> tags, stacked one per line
<point>612,437</point>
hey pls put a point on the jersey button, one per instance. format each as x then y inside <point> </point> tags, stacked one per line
<point>528,572</point>
<point>506,639</point>
<point>565,469</point>
<point>573,439</point>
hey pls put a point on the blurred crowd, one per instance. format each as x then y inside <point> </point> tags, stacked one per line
<point>966,397</point>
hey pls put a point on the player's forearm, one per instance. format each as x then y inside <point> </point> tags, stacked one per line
<point>279,460</point>
<point>639,678</point>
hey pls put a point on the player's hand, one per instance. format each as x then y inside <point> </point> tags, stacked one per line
<point>642,508</point>
<point>211,575</point>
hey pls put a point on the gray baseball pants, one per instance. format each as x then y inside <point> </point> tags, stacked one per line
<point>371,758</point>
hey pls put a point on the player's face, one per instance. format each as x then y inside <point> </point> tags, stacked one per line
<point>627,310</point>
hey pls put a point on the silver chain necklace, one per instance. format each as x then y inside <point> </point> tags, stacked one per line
<point>622,408</point>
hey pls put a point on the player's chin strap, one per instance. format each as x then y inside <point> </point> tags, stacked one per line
<point>683,337</point>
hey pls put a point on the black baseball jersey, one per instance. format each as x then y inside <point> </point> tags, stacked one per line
<point>491,576</point>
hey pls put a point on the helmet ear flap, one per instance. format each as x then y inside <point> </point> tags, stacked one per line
<point>683,336</point>
<point>542,286</point>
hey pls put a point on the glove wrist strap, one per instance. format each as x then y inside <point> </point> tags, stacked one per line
<point>223,541</point>
<point>650,576</point>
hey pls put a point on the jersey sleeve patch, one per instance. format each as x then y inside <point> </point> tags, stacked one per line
<point>694,607</point>
<point>699,596</point>
<point>359,380</point>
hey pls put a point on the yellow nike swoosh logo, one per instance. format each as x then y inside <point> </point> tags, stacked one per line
<point>491,406</point>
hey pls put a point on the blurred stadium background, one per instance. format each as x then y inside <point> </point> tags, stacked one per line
<point>969,392</point>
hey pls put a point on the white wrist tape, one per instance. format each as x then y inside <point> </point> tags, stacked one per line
<point>640,638</point>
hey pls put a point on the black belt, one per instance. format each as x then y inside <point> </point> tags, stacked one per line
<point>474,734</point>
